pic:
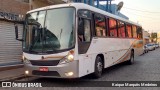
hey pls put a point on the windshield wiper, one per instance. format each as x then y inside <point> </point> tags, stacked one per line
<point>33,51</point>
<point>60,34</point>
<point>50,44</point>
<point>53,49</point>
<point>35,39</point>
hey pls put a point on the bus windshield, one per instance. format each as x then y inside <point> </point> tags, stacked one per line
<point>49,31</point>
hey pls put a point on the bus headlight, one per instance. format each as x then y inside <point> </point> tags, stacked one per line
<point>69,74</point>
<point>68,58</point>
<point>26,72</point>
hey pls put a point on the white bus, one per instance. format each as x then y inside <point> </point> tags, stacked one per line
<point>73,40</point>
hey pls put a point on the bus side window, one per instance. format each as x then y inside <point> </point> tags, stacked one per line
<point>112,27</point>
<point>121,29</point>
<point>139,33</point>
<point>129,30</point>
<point>134,30</point>
<point>100,25</point>
<point>84,30</point>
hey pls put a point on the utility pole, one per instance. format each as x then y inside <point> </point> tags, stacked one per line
<point>30,5</point>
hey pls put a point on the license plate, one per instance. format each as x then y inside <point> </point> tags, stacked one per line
<point>43,69</point>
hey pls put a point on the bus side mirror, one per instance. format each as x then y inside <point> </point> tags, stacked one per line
<point>16,33</point>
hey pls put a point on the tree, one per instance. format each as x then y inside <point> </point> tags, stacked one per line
<point>154,37</point>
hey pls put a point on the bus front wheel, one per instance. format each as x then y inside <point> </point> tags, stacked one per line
<point>98,67</point>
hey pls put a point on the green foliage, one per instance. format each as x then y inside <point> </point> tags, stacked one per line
<point>153,35</point>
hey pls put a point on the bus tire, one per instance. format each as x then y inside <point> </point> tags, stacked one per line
<point>131,60</point>
<point>98,69</point>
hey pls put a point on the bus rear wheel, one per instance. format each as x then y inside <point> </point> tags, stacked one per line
<point>98,67</point>
<point>131,60</point>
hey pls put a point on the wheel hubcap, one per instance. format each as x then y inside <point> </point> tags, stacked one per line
<point>132,59</point>
<point>99,66</point>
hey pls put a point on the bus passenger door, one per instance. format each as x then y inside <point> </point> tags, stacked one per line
<point>84,40</point>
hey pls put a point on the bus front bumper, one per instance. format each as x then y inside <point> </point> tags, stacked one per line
<point>67,70</point>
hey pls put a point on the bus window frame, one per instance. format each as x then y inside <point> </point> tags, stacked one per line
<point>131,29</point>
<point>84,44</point>
<point>141,32</point>
<point>90,20</point>
<point>109,27</point>
<point>120,21</point>
<point>94,26</point>
<point>107,18</point>
<point>74,26</point>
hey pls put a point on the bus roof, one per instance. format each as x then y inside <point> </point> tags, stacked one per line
<point>84,6</point>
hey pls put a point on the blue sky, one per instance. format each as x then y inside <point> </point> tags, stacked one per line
<point>148,17</point>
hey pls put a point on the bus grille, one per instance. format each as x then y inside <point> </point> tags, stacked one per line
<point>49,73</point>
<point>45,62</point>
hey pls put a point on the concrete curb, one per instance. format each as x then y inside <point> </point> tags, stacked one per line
<point>13,78</point>
<point>12,72</point>
<point>10,67</point>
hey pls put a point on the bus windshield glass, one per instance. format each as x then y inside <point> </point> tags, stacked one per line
<point>49,31</point>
